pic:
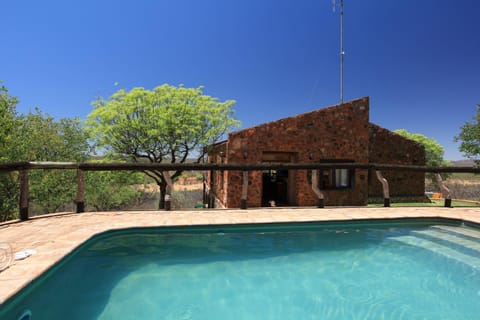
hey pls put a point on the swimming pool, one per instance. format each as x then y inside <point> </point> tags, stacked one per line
<point>402,269</point>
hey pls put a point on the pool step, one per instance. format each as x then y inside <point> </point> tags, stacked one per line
<point>448,238</point>
<point>463,232</point>
<point>438,248</point>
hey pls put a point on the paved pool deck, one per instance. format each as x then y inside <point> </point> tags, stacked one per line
<point>54,236</point>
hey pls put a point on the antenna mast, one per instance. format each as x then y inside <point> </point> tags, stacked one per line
<point>342,52</point>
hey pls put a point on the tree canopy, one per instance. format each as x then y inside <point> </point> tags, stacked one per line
<point>470,138</point>
<point>42,138</point>
<point>38,136</point>
<point>8,187</point>
<point>433,150</point>
<point>7,122</point>
<point>166,124</point>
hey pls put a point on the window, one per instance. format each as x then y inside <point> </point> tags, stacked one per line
<point>336,178</point>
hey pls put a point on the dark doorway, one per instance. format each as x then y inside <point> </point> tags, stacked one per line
<point>275,188</point>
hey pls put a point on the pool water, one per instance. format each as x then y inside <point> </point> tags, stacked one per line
<point>334,271</point>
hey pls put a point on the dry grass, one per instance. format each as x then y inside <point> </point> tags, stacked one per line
<point>462,186</point>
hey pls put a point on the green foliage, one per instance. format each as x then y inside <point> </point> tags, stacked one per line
<point>110,190</point>
<point>8,195</point>
<point>166,124</point>
<point>470,138</point>
<point>7,122</point>
<point>433,153</point>
<point>42,138</point>
<point>39,137</point>
<point>8,180</point>
<point>433,150</point>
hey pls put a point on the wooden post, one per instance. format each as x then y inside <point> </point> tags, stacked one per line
<point>316,189</point>
<point>386,191</point>
<point>445,191</point>
<point>204,194</point>
<point>24,194</point>
<point>243,200</point>
<point>80,201</point>
<point>211,195</point>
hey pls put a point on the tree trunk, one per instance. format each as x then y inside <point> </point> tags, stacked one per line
<point>163,192</point>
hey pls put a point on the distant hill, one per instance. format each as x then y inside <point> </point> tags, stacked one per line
<point>463,163</point>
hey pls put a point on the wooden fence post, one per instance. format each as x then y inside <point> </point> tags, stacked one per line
<point>80,201</point>
<point>24,194</point>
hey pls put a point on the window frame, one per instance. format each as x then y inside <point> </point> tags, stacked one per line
<point>331,178</point>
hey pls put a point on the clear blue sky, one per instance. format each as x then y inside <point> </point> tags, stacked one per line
<point>418,60</point>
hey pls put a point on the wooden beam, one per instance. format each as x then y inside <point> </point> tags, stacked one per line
<point>91,166</point>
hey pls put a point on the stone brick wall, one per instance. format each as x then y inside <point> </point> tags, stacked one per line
<point>334,133</point>
<point>391,148</point>
<point>217,180</point>
<point>337,133</point>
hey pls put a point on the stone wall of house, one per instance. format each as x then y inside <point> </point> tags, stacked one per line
<point>334,133</point>
<point>390,148</point>
<point>217,180</point>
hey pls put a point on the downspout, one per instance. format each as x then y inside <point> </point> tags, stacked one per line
<point>386,191</point>
<point>445,191</point>
<point>316,190</point>
<point>168,193</point>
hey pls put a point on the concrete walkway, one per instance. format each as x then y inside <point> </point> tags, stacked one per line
<point>54,236</point>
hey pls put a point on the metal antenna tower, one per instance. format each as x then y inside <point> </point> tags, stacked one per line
<point>342,52</point>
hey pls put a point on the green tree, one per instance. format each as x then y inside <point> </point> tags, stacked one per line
<point>7,122</point>
<point>433,152</point>
<point>166,124</point>
<point>42,138</point>
<point>8,180</point>
<point>37,136</point>
<point>113,190</point>
<point>470,138</point>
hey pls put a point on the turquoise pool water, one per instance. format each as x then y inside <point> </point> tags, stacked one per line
<point>413,270</point>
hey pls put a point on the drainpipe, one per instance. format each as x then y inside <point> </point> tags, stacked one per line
<point>445,191</point>
<point>386,192</point>
<point>318,193</point>
<point>168,193</point>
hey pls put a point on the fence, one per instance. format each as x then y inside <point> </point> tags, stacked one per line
<point>24,167</point>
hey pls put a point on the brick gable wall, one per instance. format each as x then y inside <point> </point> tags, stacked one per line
<point>390,148</point>
<point>334,133</point>
<point>337,133</point>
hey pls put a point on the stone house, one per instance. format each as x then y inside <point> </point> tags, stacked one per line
<point>340,133</point>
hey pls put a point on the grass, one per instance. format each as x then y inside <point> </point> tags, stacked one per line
<point>465,176</point>
<point>434,203</point>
